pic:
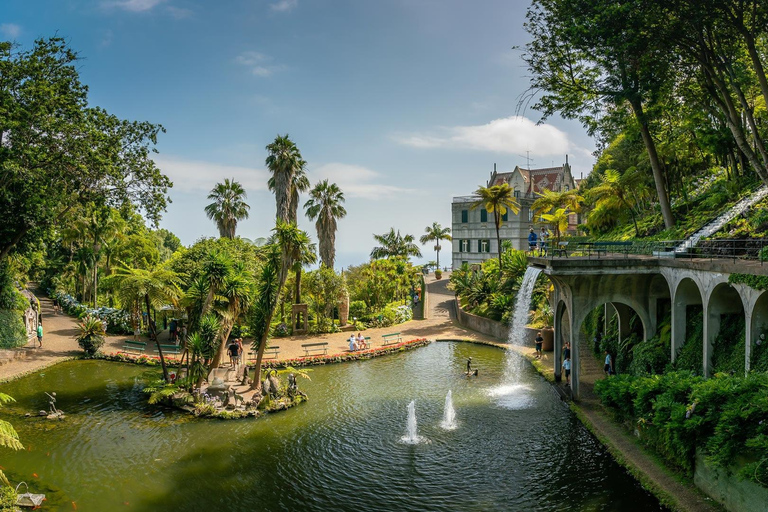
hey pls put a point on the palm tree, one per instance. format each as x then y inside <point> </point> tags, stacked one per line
<point>619,191</point>
<point>284,248</point>
<point>497,199</point>
<point>325,206</point>
<point>393,244</point>
<point>156,287</point>
<point>288,176</point>
<point>558,220</point>
<point>549,200</point>
<point>228,207</point>
<point>305,253</point>
<point>435,233</point>
<point>235,299</point>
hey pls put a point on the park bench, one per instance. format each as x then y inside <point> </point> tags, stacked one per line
<point>315,347</point>
<point>138,346</point>
<point>605,247</point>
<point>269,353</point>
<point>389,339</point>
<point>562,249</point>
<point>170,349</point>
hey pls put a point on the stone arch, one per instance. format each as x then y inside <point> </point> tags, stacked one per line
<point>687,293</point>
<point>723,299</point>
<point>562,334</point>
<point>758,320</point>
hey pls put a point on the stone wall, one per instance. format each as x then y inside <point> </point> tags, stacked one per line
<point>734,494</point>
<point>480,324</point>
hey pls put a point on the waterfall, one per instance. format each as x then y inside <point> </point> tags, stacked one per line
<point>411,436</point>
<point>523,307</point>
<point>511,393</point>
<point>449,414</point>
<point>714,226</point>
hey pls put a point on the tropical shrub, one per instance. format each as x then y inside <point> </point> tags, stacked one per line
<point>677,412</point>
<point>357,309</point>
<point>12,331</point>
<point>728,347</point>
<point>91,335</point>
<point>690,356</point>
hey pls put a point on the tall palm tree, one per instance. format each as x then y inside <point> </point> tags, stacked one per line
<point>618,191</point>
<point>154,287</point>
<point>325,207</point>
<point>288,178</point>
<point>228,207</point>
<point>497,199</point>
<point>394,244</point>
<point>435,233</point>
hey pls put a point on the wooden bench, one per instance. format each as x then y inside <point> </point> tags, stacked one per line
<point>605,247</point>
<point>170,349</point>
<point>139,346</point>
<point>315,347</point>
<point>269,353</point>
<point>562,249</point>
<point>390,339</point>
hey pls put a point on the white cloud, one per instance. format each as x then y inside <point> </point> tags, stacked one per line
<point>356,181</point>
<point>284,5</point>
<point>133,5</point>
<point>192,175</point>
<point>513,135</point>
<point>10,30</point>
<point>258,63</point>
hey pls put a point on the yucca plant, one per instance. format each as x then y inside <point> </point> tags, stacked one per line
<point>91,336</point>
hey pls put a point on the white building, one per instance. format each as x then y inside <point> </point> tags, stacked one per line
<point>473,231</point>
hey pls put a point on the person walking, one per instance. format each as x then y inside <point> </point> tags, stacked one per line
<point>233,350</point>
<point>539,340</point>
<point>40,335</point>
<point>608,368</point>
<point>567,368</point>
<point>543,241</point>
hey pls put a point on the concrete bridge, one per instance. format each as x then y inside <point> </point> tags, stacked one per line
<point>650,287</point>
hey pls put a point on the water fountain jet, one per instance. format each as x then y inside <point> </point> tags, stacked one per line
<point>449,414</point>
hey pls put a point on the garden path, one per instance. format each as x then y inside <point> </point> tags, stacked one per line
<point>59,331</point>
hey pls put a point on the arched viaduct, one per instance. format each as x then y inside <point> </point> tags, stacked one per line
<point>646,286</point>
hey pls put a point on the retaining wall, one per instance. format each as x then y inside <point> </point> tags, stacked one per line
<point>480,324</point>
<point>734,494</point>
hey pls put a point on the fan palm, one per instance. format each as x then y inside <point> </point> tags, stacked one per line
<point>228,207</point>
<point>435,233</point>
<point>288,176</point>
<point>618,191</point>
<point>497,199</point>
<point>394,244</point>
<point>325,207</point>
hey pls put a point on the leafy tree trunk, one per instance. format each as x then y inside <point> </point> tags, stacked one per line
<point>157,341</point>
<point>658,178</point>
<point>226,330</point>
<point>298,285</point>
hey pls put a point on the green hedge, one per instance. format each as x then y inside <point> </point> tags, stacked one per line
<point>12,331</point>
<point>677,412</point>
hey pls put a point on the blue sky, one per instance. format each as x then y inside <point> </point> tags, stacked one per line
<point>404,104</point>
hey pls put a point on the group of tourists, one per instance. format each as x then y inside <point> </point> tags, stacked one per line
<point>538,241</point>
<point>357,342</point>
<point>235,351</point>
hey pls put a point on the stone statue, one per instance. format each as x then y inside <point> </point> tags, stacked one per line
<point>52,403</point>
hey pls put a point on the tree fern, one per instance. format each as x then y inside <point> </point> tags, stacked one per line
<point>8,436</point>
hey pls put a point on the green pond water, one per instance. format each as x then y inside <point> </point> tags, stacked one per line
<point>516,445</point>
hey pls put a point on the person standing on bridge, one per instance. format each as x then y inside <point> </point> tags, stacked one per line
<point>532,241</point>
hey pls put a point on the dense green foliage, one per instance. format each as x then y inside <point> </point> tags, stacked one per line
<point>678,412</point>
<point>691,357</point>
<point>12,306</point>
<point>728,347</point>
<point>751,280</point>
<point>59,153</point>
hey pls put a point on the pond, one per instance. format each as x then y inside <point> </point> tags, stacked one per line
<point>516,445</point>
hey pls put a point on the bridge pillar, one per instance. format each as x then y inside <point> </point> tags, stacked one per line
<point>576,338</point>
<point>559,305</point>
<point>711,329</point>
<point>747,339</point>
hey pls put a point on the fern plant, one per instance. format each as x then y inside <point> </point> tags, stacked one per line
<point>8,436</point>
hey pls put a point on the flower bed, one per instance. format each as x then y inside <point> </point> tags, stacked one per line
<point>351,356</point>
<point>117,321</point>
